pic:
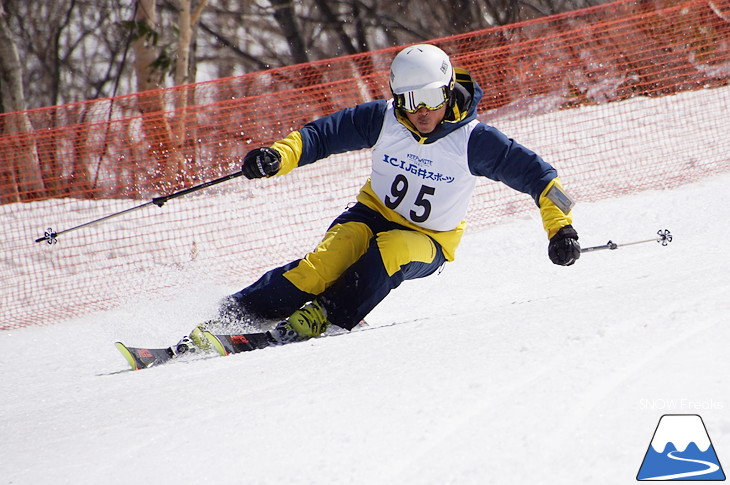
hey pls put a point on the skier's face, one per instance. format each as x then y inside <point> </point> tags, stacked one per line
<point>426,120</point>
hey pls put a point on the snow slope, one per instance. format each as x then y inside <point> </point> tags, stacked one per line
<point>502,369</point>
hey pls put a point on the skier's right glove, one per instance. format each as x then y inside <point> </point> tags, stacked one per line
<point>564,248</point>
<point>261,162</point>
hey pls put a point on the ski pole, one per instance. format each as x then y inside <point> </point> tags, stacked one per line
<point>51,236</point>
<point>664,237</point>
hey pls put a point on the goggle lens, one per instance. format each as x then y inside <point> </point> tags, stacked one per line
<point>432,99</point>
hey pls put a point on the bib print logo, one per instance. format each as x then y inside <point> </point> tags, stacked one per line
<point>681,450</point>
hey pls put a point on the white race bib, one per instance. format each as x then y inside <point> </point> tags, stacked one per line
<point>428,184</point>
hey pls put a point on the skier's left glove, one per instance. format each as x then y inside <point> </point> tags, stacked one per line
<point>564,248</point>
<point>261,162</point>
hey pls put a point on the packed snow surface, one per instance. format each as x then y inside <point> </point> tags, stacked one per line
<point>502,369</point>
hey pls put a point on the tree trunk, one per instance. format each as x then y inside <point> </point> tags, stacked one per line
<point>150,101</point>
<point>21,178</point>
<point>286,18</point>
<point>145,50</point>
<point>186,22</point>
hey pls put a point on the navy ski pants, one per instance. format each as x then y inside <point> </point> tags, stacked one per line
<point>361,258</point>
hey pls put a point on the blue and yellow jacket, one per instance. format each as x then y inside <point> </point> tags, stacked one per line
<point>490,154</point>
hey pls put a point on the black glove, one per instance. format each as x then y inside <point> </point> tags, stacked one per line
<point>564,248</point>
<point>261,162</point>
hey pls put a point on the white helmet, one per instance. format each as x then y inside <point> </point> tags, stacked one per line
<point>421,75</point>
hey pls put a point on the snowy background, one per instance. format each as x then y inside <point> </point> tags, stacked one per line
<point>502,369</point>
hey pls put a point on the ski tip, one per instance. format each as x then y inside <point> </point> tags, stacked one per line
<point>217,344</point>
<point>127,355</point>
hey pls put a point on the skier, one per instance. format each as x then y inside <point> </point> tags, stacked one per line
<point>427,151</point>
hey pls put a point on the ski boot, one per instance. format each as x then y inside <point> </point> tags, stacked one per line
<point>195,342</point>
<point>307,322</point>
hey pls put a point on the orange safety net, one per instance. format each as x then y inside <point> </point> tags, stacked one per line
<point>619,98</point>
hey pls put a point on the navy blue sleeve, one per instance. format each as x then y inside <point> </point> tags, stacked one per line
<point>346,130</point>
<point>492,154</point>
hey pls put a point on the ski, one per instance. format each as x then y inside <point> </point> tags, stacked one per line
<point>142,358</point>
<point>246,342</point>
<point>235,344</point>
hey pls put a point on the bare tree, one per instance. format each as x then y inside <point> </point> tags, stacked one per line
<point>21,178</point>
<point>86,49</point>
<point>283,11</point>
<point>11,74</point>
<point>71,50</point>
<point>80,49</point>
<point>147,64</point>
<point>187,22</point>
<point>286,32</point>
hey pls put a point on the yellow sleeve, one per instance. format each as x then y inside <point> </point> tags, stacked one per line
<point>290,149</point>
<point>553,217</point>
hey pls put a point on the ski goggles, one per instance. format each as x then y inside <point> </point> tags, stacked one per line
<point>430,98</point>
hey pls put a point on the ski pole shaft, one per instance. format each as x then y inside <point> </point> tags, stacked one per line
<point>664,237</point>
<point>51,236</point>
<point>159,201</point>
